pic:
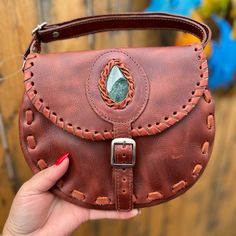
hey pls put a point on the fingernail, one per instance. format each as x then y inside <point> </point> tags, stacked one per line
<point>61,159</point>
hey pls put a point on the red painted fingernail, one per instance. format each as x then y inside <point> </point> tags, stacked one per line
<point>61,159</point>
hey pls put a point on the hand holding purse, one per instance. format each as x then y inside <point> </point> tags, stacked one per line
<point>138,122</point>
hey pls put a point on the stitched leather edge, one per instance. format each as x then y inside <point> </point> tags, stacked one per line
<point>148,129</point>
<point>152,197</point>
<point>105,115</point>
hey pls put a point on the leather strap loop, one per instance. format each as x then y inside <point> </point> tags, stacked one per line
<point>123,178</point>
<point>101,23</point>
<point>123,170</point>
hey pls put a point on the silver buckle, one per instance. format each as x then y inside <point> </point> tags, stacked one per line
<point>38,27</point>
<point>124,141</point>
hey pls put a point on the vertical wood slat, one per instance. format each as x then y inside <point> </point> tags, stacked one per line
<point>17,20</point>
<point>63,11</point>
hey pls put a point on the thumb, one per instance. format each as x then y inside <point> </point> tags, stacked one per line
<point>47,178</point>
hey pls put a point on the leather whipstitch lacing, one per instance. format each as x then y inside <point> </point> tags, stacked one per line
<point>148,129</point>
<point>103,81</point>
<point>151,196</point>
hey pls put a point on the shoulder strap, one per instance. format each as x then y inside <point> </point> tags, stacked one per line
<point>100,23</point>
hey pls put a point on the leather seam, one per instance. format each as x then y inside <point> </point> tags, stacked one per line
<point>130,187</point>
<point>118,187</point>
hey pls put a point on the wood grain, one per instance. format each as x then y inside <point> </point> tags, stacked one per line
<point>16,25</point>
<point>208,209</point>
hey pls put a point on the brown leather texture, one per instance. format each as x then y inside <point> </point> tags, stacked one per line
<point>174,134</point>
<point>170,116</point>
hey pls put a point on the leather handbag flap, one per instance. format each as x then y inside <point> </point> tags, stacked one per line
<point>57,85</point>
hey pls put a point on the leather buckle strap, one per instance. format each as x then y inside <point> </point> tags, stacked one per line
<point>124,142</point>
<point>123,159</point>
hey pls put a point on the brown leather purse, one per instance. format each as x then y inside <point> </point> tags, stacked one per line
<point>138,122</point>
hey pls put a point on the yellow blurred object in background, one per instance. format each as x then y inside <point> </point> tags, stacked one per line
<point>233,15</point>
<point>184,38</point>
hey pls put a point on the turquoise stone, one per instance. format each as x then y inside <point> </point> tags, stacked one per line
<point>117,85</point>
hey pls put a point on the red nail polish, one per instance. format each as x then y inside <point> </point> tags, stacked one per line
<point>61,159</point>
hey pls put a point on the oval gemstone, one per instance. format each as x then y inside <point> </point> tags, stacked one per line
<point>117,85</point>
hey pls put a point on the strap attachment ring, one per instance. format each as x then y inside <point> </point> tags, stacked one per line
<point>39,27</point>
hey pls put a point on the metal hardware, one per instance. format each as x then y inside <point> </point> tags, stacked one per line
<point>124,141</point>
<point>55,34</point>
<point>34,49</point>
<point>38,27</point>
<point>23,65</point>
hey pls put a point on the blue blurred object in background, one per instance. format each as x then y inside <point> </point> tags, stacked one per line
<point>222,62</point>
<point>182,7</point>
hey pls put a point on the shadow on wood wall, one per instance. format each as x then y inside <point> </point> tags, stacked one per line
<point>208,209</point>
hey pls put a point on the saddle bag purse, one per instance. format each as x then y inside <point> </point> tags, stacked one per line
<point>138,123</point>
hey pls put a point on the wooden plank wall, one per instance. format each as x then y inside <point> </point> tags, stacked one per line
<point>208,209</point>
